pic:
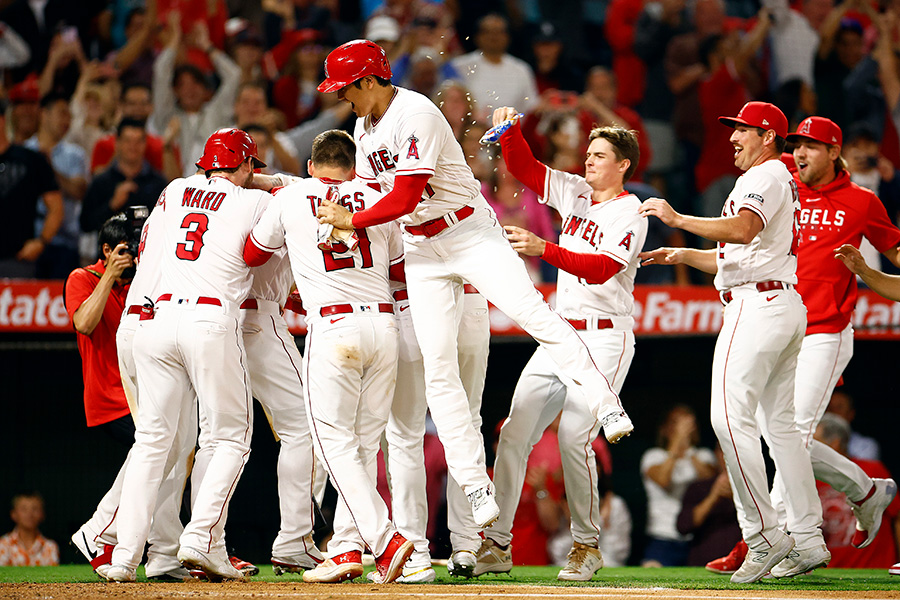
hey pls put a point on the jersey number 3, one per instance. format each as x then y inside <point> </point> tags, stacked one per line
<point>196,225</point>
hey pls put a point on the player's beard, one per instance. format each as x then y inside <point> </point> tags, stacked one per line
<point>249,180</point>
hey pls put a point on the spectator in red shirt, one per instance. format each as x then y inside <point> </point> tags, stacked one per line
<point>95,299</point>
<point>631,72</point>
<point>839,522</point>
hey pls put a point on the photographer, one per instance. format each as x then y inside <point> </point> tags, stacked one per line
<point>95,299</point>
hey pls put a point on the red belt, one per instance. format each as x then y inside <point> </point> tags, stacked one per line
<point>762,286</point>
<point>250,303</point>
<point>200,300</point>
<point>134,309</point>
<point>401,295</point>
<point>435,226</point>
<point>582,324</point>
<point>340,309</point>
<point>294,305</point>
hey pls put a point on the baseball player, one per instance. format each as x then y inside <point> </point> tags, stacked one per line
<point>405,436</point>
<point>601,238</point>
<point>451,237</point>
<point>194,340</point>
<point>756,352</point>
<point>96,538</point>
<point>350,359</point>
<point>833,211</point>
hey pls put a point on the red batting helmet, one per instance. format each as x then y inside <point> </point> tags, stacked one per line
<point>351,62</point>
<point>227,149</point>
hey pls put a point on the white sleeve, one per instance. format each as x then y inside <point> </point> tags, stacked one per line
<point>561,189</point>
<point>268,233</point>
<point>364,171</point>
<point>760,192</point>
<point>420,141</point>
<point>623,236</point>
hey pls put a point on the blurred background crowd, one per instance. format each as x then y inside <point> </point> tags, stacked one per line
<point>118,97</point>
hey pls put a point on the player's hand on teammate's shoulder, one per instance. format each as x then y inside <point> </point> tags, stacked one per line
<point>662,256</point>
<point>334,214</point>
<point>852,259</point>
<point>660,209</point>
<point>525,242</point>
<point>503,113</point>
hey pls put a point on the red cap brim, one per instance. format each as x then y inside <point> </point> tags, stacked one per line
<point>734,122</point>
<point>330,85</point>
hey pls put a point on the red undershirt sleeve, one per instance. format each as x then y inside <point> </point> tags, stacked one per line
<point>521,162</point>
<point>399,201</point>
<point>255,256</point>
<point>595,268</point>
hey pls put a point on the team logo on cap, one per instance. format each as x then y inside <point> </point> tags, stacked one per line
<point>805,125</point>
<point>765,122</point>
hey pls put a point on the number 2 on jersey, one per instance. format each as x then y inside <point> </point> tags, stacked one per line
<point>336,264</point>
<point>196,225</point>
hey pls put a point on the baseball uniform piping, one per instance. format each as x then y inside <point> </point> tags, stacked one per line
<point>591,358</point>
<point>728,422</point>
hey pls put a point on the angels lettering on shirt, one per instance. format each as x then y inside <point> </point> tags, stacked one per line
<point>205,223</point>
<point>613,228</point>
<point>413,137</point>
<point>326,277</point>
<point>770,192</point>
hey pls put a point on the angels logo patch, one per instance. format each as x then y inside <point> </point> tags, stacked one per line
<point>626,241</point>
<point>413,151</point>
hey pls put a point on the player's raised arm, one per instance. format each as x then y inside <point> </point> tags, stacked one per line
<point>739,229</point>
<point>882,284</point>
<point>517,154</point>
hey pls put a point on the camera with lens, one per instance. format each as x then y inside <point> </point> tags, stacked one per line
<point>135,216</point>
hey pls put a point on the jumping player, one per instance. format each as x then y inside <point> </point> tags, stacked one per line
<point>598,257</point>
<point>196,324</point>
<point>350,359</point>
<point>451,237</point>
<point>833,211</point>
<point>756,352</point>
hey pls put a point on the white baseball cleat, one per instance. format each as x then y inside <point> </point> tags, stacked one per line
<point>759,562</point>
<point>121,574</point>
<point>582,562</point>
<point>343,567</point>
<point>296,563</point>
<point>798,562</point>
<point>461,564</point>
<point>895,570</point>
<point>217,566</point>
<point>178,574</point>
<point>615,422</point>
<point>491,558</point>
<point>94,551</point>
<point>484,508</point>
<point>418,569</point>
<point>869,514</point>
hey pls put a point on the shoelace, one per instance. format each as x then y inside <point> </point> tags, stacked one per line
<point>577,555</point>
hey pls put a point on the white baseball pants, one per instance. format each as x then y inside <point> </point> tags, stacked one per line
<point>540,395</point>
<point>405,430</point>
<point>477,251</point>
<point>753,367</point>
<point>349,371</point>
<point>186,345</point>
<point>823,357</point>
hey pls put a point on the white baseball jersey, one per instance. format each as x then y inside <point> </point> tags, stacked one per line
<point>612,228</point>
<point>205,224</point>
<point>325,278</point>
<point>413,137</point>
<point>145,284</point>
<point>769,191</point>
<point>272,281</point>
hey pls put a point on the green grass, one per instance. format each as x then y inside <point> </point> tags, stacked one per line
<point>626,577</point>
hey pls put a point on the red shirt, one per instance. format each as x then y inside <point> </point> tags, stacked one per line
<point>104,397</point>
<point>105,150</point>
<point>839,524</point>
<point>837,213</point>
<point>722,94</point>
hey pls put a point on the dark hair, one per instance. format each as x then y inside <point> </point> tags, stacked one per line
<point>334,148</point>
<point>380,80</point>
<point>780,142</point>
<point>139,10</point>
<point>255,85</point>
<point>493,15</point>
<point>22,495</point>
<point>254,128</point>
<point>53,98</point>
<point>624,143</point>
<point>192,70</point>
<point>129,122</point>
<point>708,46</point>
<point>114,231</point>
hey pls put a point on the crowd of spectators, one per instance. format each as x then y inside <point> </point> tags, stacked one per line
<point>176,71</point>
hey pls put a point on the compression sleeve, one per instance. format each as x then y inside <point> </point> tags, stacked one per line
<point>595,268</point>
<point>255,256</point>
<point>399,201</point>
<point>521,162</point>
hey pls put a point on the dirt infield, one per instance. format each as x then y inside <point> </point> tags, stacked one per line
<point>266,591</point>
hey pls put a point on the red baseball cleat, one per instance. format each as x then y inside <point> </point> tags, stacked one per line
<point>390,563</point>
<point>731,563</point>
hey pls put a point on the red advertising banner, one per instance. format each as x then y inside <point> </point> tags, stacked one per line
<point>37,306</point>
